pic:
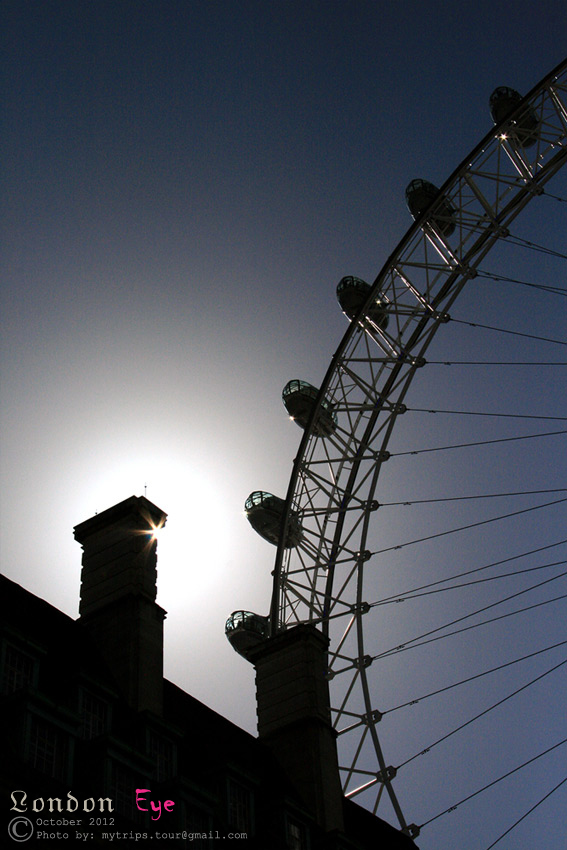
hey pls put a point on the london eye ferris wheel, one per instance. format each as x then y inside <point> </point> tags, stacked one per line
<point>347,552</point>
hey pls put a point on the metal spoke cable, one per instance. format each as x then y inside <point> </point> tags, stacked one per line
<point>494,363</point>
<point>550,290</point>
<point>480,413</point>
<point>422,641</point>
<point>533,246</point>
<point>467,527</point>
<point>478,443</point>
<point>408,596</point>
<point>470,498</point>
<point>474,678</point>
<point>554,197</point>
<point>524,816</point>
<point>505,331</point>
<point>416,595</point>
<point>410,645</point>
<point>494,782</point>
<point>475,570</point>
<point>479,611</point>
<point>482,713</point>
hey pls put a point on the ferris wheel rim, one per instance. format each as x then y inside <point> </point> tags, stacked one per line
<point>476,252</point>
<point>354,325</point>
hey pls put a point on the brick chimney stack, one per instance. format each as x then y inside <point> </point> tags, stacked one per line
<point>294,717</point>
<point>118,593</point>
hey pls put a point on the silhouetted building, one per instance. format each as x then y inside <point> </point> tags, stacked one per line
<point>89,721</point>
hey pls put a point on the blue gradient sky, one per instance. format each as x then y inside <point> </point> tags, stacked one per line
<point>184,184</point>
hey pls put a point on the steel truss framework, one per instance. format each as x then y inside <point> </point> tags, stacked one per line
<point>334,479</point>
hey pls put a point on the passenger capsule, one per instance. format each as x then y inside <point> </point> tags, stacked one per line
<point>524,127</point>
<point>299,399</point>
<point>264,512</point>
<point>246,630</point>
<point>352,293</point>
<point>420,195</point>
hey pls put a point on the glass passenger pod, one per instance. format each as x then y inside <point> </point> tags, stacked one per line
<point>352,293</point>
<point>299,399</point>
<point>420,194</point>
<point>525,126</point>
<point>246,630</point>
<point>265,512</point>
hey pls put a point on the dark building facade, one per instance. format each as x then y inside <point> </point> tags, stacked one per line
<point>98,746</point>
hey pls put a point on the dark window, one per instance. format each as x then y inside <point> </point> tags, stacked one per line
<point>48,748</point>
<point>123,784</point>
<point>197,823</point>
<point>162,752</point>
<point>296,835</point>
<point>94,716</point>
<point>18,670</point>
<point>239,807</point>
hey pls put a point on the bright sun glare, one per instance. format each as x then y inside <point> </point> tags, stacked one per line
<point>194,544</point>
<point>155,531</point>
